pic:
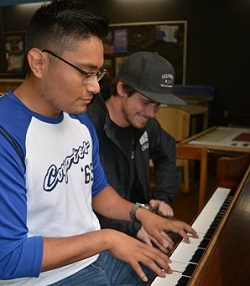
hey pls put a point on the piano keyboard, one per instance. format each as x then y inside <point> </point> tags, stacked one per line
<point>186,256</point>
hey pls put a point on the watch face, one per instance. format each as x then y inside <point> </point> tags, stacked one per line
<point>145,206</point>
<point>149,208</point>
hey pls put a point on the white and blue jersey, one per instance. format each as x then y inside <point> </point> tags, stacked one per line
<point>51,196</point>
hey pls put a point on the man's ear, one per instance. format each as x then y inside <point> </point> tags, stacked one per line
<point>36,62</point>
<point>120,89</point>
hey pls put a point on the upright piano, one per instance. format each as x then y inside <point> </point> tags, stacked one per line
<point>221,255</point>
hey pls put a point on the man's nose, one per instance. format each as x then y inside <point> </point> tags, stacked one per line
<point>93,86</point>
<point>151,110</point>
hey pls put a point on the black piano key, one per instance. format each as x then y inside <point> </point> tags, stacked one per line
<point>183,281</point>
<point>189,270</point>
<point>218,218</point>
<point>197,255</point>
<point>204,243</point>
<point>209,234</point>
<point>223,210</point>
<point>214,225</point>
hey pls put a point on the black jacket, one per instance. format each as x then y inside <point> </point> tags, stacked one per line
<point>151,142</point>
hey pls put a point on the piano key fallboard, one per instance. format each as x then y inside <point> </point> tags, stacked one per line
<point>186,256</point>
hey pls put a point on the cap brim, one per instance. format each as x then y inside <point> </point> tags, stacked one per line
<point>168,99</point>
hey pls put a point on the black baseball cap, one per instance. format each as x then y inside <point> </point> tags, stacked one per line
<point>151,75</point>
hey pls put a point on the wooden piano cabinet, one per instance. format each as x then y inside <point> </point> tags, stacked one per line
<point>226,261</point>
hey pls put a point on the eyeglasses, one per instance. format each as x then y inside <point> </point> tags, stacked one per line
<point>87,76</point>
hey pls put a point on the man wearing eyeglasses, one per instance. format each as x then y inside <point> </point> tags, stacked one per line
<point>51,178</point>
<point>130,136</point>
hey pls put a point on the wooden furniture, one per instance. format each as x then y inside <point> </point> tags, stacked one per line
<point>177,123</point>
<point>230,170</point>
<point>180,122</point>
<point>221,255</point>
<point>200,154</point>
<point>8,84</point>
<point>201,95</point>
<point>198,114</point>
<point>223,139</point>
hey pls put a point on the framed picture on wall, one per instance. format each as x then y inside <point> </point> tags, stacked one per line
<point>14,53</point>
<point>168,39</point>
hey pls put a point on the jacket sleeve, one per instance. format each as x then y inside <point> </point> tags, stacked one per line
<point>96,112</point>
<point>163,154</point>
<point>129,228</point>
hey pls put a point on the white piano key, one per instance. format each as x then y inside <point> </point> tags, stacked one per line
<point>178,266</point>
<point>209,212</point>
<point>185,251</point>
<point>170,280</point>
<point>204,220</point>
<point>219,196</point>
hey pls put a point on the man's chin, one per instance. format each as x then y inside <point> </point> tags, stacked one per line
<point>138,125</point>
<point>79,110</point>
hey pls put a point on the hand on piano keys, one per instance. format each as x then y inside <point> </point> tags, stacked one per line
<point>186,256</point>
<point>157,228</point>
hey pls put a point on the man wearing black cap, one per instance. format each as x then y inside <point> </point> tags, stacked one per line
<point>129,136</point>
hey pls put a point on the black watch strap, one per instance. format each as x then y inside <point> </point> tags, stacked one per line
<point>132,213</point>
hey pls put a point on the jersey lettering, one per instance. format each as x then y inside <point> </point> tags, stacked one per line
<point>56,175</point>
<point>89,173</point>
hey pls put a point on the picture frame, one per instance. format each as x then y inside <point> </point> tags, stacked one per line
<point>14,58</point>
<point>167,38</point>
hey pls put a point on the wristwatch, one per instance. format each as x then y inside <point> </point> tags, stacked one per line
<point>132,213</point>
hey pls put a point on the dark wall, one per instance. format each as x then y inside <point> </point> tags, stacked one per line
<point>217,46</point>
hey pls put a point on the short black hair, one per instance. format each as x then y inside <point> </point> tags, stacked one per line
<point>59,25</point>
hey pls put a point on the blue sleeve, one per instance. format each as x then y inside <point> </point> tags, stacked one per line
<point>20,255</point>
<point>100,179</point>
